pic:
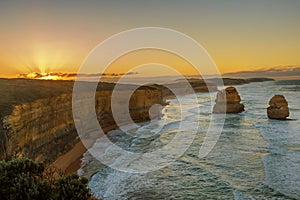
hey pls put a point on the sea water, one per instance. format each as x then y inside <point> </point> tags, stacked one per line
<point>254,158</point>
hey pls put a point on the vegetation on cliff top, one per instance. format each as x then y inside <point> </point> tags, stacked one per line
<point>18,91</point>
<point>21,178</point>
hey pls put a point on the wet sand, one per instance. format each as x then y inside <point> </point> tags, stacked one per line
<point>70,162</point>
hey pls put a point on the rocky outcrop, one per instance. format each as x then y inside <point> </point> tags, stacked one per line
<point>278,108</point>
<point>44,129</point>
<point>228,101</point>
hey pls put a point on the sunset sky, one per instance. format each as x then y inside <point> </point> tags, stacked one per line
<point>56,36</point>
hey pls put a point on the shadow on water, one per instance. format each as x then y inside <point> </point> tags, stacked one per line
<point>233,121</point>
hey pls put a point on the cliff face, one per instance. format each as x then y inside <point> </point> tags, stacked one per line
<point>44,129</point>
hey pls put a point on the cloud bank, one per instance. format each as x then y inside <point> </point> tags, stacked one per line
<point>280,72</point>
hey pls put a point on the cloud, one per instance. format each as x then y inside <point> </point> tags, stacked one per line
<point>63,75</point>
<point>274,72</point>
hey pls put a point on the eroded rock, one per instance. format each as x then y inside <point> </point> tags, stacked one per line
<point>228,101</point>
<point>278,108</point>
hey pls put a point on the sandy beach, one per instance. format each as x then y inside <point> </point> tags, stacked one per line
<point>70,161</point>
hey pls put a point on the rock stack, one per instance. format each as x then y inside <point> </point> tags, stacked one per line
<point>228,101</point>
<point>278,108</point>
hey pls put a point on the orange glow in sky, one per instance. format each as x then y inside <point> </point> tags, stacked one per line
<point>46,37</point>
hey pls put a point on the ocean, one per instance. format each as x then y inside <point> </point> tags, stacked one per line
<point>254,158</point>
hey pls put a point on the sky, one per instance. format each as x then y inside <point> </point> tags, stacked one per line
<point>239,35</point>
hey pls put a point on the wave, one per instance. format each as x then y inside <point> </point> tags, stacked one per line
<point>254,158</point>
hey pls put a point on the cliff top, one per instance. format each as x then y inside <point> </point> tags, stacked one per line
<point>18,91</point>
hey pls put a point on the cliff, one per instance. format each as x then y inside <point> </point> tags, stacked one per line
<point>34,128</point>
<point>44,128</point>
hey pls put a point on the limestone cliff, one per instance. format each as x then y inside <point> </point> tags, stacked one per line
<point>44,129</point>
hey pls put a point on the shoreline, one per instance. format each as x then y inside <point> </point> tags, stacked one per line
<point>70,162</point>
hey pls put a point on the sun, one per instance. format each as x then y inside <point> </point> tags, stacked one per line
<point>49,77</point>
<point>42,76</point>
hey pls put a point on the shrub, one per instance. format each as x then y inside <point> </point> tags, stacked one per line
<point>71,187</point>
<point>21,178</point>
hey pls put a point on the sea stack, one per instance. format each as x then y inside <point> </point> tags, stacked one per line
<point>278,108</point>
<point>228,101</point>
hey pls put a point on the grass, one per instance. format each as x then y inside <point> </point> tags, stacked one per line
<point>18,91</point>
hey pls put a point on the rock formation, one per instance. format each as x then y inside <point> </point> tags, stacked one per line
<point>278,108</point>
<point>228,101</point>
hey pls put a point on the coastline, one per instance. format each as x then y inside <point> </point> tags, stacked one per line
<point>70,162</point>
<point>56,103</point>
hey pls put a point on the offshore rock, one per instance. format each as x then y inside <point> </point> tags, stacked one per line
<point>228,101</point>
<point>278,108</point>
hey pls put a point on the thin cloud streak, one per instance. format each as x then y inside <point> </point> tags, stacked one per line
<point>62,75</point>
